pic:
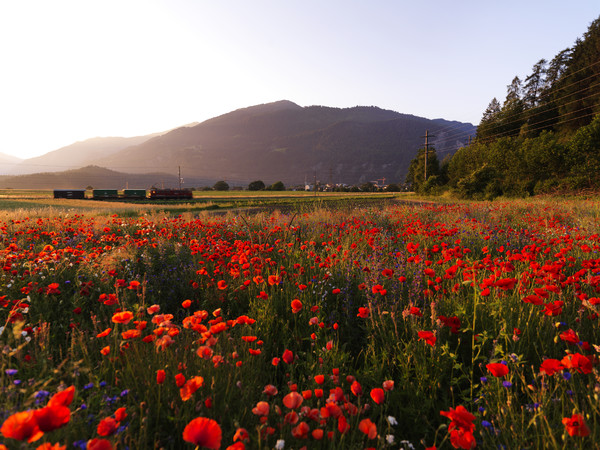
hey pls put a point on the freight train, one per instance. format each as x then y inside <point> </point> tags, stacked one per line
<point>125,194</point>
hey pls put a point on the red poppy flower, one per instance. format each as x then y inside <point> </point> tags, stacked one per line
<point>104,333</point>
<point>133,285</point>
<point>44,446</point>
<point>301,430</point>
<point>429,272</point>
<point>578,362</point>
<point>293,400</point>
<point>377,395</point>
<point>107,426</point>
<point>190,386</point>
<point>99,444</point>
<point>497,369</point>
<point>319,379</point>
<point>414,311</point>
<point>52,417</point>
<point>179,379</point>
<point>363,313</point>
<point>131,334</point>
<point>296,306</point>
<point>63,398</point>
<point>570,336</point>
<point>241,434</point>
<point>317,434</point>
<point>186,304</point>
<point>123,317</point>
<point>120,414</point>
<point>551,366</point>
<point>553,308</point>
<point>261,409</point>
<point>203,432</point>
<point>460,417</point>
<point>21,426</point>
<point>222,285</point>
<point>356,388</point>
<point>273,280</point>
<point>576,425</point>
<point>461,438</point>
<point>388,385</point>
<point>412,247</point>
<point>288,356</point>
<point>270,390</point>
<point>368,427</point>
<point>378,289</point>
<point>343,425</point>
<point>153,309</point>
<point>428,337</point>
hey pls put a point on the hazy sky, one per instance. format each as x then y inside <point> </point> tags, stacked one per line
<point>72,70</point>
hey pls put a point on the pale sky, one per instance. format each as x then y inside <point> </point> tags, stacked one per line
<point>73,70</point>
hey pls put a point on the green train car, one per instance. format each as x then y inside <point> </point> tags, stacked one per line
<point>101,194</point>
<point>132,194</point>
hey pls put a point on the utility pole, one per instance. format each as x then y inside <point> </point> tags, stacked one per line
<point>315,183</point>
<point>179,177</point>
<point>427,136</point>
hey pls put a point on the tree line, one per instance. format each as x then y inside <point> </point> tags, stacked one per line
<point>544,137</point>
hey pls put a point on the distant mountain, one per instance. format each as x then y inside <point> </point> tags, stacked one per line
<point>287,142</point>
<point>96,177</point>
<point>8,162</point>
<point>77,155</point>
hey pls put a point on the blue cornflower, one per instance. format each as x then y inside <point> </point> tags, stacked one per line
<point>41,394</point>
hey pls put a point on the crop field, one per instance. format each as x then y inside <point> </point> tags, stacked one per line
<point>363,325</point>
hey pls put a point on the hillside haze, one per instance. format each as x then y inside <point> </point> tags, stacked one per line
<point>287,142</point>
<point>76,155</point>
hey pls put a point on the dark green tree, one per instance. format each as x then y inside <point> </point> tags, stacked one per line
<point>221,186</point>
<point>578,100</point>
<point>583,155</point>
<point>534,84</point>
<point>277,186</point>
<point>367,187</point>
<point>415,177</point>
<point>257,185</point>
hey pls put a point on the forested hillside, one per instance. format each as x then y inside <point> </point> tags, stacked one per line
<point>544,137</point>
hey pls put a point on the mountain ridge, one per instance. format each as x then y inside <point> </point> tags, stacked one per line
<point>284,141</point>
<point>278,141</point>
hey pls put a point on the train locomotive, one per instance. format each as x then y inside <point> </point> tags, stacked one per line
<point>125,194</point>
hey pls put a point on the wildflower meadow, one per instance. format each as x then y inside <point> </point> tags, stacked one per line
<point>405,325</point>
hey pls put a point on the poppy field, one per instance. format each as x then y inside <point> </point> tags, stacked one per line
<point>463,325</point>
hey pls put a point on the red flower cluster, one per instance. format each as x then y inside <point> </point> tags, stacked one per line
<point>461,427</point>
